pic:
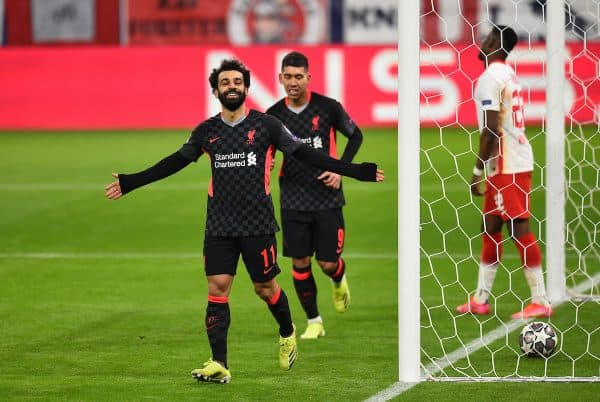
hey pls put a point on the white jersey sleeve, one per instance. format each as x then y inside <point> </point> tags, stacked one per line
<point>498,89</point>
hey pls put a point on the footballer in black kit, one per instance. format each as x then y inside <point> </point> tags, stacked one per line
<point>239,202</point>
<point>316,126</point>
<point>239,221</point>
<point>311,198</point>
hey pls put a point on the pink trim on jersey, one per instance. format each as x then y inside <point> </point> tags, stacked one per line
<point>332,145</point>
<point>268,160</point>
<point>210,183</point>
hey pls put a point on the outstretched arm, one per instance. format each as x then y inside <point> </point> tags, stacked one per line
<point>355,139</point>
<point>126,183</point>
<point>365,171</point>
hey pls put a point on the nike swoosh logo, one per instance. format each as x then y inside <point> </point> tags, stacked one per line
<point>211,140</point>
<point>266,271</point>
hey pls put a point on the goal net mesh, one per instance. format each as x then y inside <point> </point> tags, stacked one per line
<point>485,347</point>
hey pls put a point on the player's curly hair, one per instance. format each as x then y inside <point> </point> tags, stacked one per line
<point>229,65</point>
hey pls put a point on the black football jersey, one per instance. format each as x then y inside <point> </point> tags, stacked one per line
<point>316,126</point>
<point>239,196</point>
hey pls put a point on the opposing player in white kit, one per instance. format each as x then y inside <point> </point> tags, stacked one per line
<point>506,158</point>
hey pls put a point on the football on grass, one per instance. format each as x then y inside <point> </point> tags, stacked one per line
<point>538,339</point>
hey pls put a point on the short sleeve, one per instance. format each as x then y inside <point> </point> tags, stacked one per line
<point>489,93</point>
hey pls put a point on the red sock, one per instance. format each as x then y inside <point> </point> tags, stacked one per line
<point>491,251</point>
<point>528,247</point>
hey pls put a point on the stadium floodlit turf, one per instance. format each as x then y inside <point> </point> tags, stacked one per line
<point>104,300</point>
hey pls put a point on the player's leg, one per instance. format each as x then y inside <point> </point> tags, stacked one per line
<point>306,290</point>
<point>531,260</point>
<point>329,244</point>
<point>298,244</point>
<point>491,253</point>
<point>220,258</point>
<point>491,248</point>
<point>516,199</point>
<point>260,257</point>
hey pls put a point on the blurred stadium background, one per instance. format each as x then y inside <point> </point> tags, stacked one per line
<point>86,64</point>
<point>105,301</point>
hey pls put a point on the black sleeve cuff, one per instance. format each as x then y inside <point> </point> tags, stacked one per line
<point>363,172</point>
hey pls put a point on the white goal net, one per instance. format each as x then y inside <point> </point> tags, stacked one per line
<point>471,347</point>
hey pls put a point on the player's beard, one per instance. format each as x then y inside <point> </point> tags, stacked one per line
<point>232,104</point>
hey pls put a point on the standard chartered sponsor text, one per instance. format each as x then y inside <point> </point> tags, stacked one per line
<point>230,160</point>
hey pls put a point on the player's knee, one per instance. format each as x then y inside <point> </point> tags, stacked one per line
<point>529,250</point>
<point>302,262</point>
<point>328,266</point>
<point>265,290</point>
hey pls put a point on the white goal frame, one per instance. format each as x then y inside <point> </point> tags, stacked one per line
<point>409,349</point>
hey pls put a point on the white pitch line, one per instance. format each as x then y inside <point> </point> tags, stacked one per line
<point>399,387</point>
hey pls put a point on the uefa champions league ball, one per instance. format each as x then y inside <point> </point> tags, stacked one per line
<point>538,339</point>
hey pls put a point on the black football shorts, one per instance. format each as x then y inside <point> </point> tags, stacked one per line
<point>259,253</point>
<point>313,232</point>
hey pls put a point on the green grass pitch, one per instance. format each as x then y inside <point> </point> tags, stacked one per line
<point>104,300</point>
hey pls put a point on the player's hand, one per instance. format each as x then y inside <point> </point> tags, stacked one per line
<point>113,190</point>
<point>476,185</point>
<point>368,171</point>
<point>331,179</point>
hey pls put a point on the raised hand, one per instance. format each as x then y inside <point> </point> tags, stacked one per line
<point>113,190</point>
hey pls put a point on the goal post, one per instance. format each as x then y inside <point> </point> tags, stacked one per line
<point>408,191</point>
<point>555,146</point>
<point>439,235</point>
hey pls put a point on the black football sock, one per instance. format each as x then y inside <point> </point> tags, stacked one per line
<point>306,289</point>
<point>281,311</point>
<point>217,324</point>
<point>340,271</point>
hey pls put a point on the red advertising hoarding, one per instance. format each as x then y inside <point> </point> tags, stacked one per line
<point>167,87</point>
